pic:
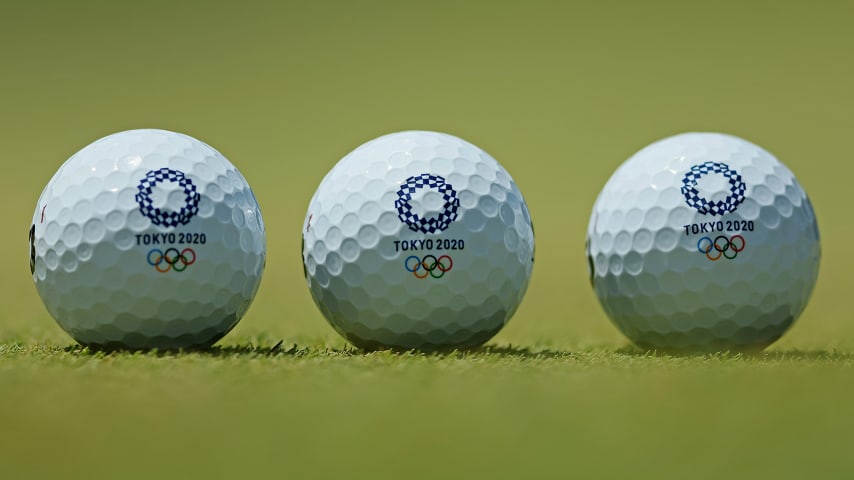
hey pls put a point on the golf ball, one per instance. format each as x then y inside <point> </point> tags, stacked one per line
<point>418,240</point>
<point>703,241</point>
<point>147,239</point>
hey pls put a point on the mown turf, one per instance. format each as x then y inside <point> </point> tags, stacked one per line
<point>252,412</point>
<point>560,93</point>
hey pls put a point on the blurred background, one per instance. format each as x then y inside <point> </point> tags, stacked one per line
<point>559,92</point>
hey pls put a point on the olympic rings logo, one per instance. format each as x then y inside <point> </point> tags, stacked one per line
<point>171,259</point>
<point>721,246</point>
<point>428,266</point>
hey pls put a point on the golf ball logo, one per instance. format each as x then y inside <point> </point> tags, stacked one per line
<point>436,223</point>
<point>162,217</point>
<point>171,259</point>
<point>428,266</point>
<point>33,249</point>
<point>704,205</point>
<point>721,247</point>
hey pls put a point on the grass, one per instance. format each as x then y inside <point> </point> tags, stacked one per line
<point>253,410</point>
<point>560,93</point>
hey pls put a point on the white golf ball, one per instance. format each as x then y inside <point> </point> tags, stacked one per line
<point>147,239</point>
<point>703,241</point>
<point>418,240</point>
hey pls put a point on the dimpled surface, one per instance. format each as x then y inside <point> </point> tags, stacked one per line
<point>418,240</point>
<point>703,241</point>
<point>147,239</point>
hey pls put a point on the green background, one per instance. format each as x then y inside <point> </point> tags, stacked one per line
<point>560,93</point>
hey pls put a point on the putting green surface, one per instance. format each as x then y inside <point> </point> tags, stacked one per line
<point>560,95</point>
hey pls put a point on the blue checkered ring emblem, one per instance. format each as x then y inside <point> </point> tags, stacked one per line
<point>167,218</point>
<point>704,205</point>
<point>436,223</point>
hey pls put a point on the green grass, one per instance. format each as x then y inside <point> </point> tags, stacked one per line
<point>500,412</point>
<point>560,93</point>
